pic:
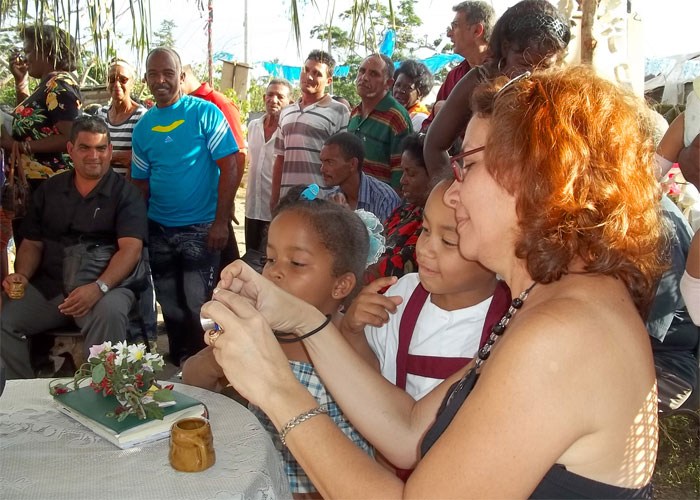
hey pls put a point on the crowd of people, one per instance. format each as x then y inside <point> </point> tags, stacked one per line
<point>483,296</point>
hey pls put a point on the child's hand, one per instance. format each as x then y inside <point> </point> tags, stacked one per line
<point>370,307</point>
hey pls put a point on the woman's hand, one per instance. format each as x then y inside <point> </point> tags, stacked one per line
<point>18,67</point>
<point>281,310</point>
<point>247,350</point>
<point>370,307</point>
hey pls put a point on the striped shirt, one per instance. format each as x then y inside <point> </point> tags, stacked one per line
<point>121,134</point>
<point>382,132</point>
<point>374,196</point>
<point>301,134</point>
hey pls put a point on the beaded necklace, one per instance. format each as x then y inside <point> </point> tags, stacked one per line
<point>496,331</point>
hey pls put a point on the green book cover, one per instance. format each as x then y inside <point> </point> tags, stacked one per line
<point>90,408</point>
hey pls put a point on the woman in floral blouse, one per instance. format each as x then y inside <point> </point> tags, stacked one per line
<point>42,120</point>
<point>403,226</point>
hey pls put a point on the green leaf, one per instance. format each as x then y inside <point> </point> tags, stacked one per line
<point>98,373</point>
<point>153,411</point>
<point>163,395</point>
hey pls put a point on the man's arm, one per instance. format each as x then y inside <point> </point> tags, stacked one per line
<point>240,164</point>
<point>276,181</point>
<point>448,125</point>
<point>26,264</point>
<point>689,162</point>
<point>228,182</point>
<point>83,298</point>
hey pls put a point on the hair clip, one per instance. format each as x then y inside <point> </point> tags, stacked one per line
<point>311,192</point>
<point>376,236</point>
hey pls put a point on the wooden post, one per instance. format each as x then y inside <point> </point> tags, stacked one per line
<point>588,43</point>
<point>210,52</point>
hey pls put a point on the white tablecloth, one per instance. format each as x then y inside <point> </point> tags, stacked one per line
<point>47,455</point>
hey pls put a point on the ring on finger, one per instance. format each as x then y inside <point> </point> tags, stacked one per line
<point>213,335</point>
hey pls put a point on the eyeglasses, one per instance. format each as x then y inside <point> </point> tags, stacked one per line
<point>405,90</point>
<point>453,26</point>
<point>456,162</point>
<point>121,78</point>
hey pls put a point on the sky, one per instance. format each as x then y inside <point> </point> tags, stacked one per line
<point>668,26</point>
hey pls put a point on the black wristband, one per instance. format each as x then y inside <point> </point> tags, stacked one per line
<point>290,337</point>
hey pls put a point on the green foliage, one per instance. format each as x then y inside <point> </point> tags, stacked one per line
<point>164,36</point>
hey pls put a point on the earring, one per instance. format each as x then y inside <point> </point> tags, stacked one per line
<point>500,63</point>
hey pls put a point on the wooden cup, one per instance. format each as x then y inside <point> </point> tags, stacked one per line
<point>16,290</point>
<point>191,445</point>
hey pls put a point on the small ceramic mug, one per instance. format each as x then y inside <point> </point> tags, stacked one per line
<point>191,445</point>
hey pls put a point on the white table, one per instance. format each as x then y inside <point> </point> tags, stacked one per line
<point>47,455</point>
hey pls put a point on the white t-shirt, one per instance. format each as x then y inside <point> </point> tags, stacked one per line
<point>261,159</point>
<point>437,333</point>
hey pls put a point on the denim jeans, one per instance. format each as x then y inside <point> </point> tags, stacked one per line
<point>184,274</point>
<point>143,323</point>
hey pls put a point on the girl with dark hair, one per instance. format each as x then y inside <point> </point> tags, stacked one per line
<point>530,35</point>
<point>316,251</point>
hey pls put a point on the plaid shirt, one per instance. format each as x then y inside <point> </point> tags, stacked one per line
<point>374,196</point>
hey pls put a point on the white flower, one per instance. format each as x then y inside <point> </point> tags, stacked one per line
<point>136,352</point>
<point>120,357</point>
<point>120,348</point>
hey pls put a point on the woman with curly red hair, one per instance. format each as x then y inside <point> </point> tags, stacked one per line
<point>555,193</point>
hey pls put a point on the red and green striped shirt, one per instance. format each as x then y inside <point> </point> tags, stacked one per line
<point>382,132</point>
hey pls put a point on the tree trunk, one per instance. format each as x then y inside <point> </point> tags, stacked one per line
<point>588,43</point>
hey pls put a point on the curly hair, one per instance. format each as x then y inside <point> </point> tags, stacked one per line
<point>53,44</point>
<point>418,73</point>
<point>577,153</point>
<point>339,229</point>
<point>531,23</point>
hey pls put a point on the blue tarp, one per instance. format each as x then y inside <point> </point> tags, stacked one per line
<point>434,63</point>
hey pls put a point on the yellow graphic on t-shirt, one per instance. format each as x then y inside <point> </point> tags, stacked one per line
<point>168,128</point>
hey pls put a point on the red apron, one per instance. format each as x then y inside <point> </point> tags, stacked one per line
<point>435,366</point>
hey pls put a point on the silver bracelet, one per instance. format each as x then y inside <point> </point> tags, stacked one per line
<point>319,410</point>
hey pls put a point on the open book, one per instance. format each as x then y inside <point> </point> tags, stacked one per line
<point>90,408</point>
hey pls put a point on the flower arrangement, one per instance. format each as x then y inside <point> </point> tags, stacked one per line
<point>127,372</point>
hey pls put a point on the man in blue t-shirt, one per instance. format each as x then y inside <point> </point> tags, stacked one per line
<point>184,163</point>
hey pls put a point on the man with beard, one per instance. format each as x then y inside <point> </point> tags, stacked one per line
<point>184,163</point>
<point>261,141</point>
<point>379,120</point>
<point>304,126</point>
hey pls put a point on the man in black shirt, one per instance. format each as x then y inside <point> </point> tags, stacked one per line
<point>89,203</point>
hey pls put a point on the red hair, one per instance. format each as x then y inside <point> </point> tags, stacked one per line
<point>577,153</point>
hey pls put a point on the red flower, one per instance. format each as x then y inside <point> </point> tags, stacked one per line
<point>27,112</point>
<point>47,130</point>
<point>60,390</point>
